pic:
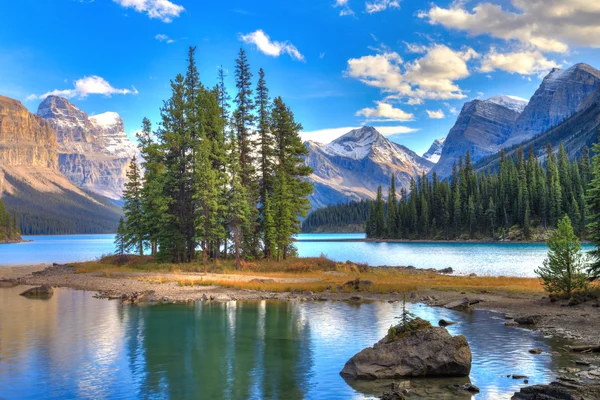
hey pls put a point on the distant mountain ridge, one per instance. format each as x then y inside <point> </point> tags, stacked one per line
<point>32,185</point>
<point>94,152</point>
<point>354,165</point>
<point>484,127</point>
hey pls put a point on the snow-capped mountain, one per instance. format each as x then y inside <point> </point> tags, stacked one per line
<point>94,152</point>
<point>514,103</point>
<point>354,165</point>
<point>435,151</point>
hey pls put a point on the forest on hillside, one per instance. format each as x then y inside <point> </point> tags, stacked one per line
<point>9,228</point>
<point>231,183</point>
<point>338,218</point>
<point>519,198</point>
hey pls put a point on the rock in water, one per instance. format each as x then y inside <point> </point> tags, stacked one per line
<point>40,291</point>
<point>459,305</point>
<point>560,391</point>
<point>425,351</point>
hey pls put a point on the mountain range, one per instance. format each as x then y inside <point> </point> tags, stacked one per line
<point>58,169</point>
<point>354,165</point>
<point>565,109</point>
<point>61,162</point>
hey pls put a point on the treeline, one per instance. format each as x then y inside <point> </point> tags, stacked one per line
<point>9,228</point>
<point>523,192</point>
<point>345,217</point>
<point>221,181</point>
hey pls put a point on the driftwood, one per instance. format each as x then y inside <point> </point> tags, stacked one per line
<point>590,348</point>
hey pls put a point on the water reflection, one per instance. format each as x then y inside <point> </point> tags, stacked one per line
<point>75,346</point>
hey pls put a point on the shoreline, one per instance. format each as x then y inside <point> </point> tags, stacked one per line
<point>577,323</point>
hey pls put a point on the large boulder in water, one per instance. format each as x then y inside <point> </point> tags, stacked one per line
<point>423,351</point>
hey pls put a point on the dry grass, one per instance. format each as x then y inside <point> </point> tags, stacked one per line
<point>304,274</point>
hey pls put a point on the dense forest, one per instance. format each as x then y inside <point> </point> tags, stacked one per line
<point>345,217</point>
<point>227,182</point>
<point>9,228</point>
<point>522,193</point>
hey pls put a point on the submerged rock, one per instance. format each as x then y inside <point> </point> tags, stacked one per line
<point>444,322</point>
<point>424,351</point>
<point>44,291</point>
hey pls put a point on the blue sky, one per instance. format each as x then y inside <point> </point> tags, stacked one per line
<point>406,67</point>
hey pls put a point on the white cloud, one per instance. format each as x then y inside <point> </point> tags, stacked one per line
<point>329,135</point>
<point>381,5</point>
<point>451,109</point>
<point>271,48</point>
<point>164,38</point>
<point>546,25</point>
<point>160,9</point>
<point>430,77</point>
<point>439,114</point>
<point>345,9</point>
<point>416,48</point>
<point>386,112</point>
<point>84,87</point>
<point>519,62</point>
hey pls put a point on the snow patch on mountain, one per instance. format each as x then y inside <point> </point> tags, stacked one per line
<point>514,103</point>
<point>106,120</point>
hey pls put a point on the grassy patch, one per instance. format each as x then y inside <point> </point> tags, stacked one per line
<point>305,274</point>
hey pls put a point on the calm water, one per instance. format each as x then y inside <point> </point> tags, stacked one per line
<point>76,346</point>
<point>465,258</point>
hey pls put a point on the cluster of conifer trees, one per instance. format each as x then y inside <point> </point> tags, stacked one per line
<point>343,217</point>
<point>220,181</point>
<point>9,228</point>
<point>522,192</point>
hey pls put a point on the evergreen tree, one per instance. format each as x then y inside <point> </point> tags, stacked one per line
<point>291,172</point>
<point>379,215</point>
<point>562,271</point>
<point>154,204</point>
<point>120,244</point>
<point>135,229</point>
<point>593,199</point>
<point>392,220</point>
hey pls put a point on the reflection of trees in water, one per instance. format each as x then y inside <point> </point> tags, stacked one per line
<point>231,351</point>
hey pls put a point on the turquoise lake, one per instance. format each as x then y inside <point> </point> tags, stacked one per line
<point>514,259</point>
<point>74,346</point>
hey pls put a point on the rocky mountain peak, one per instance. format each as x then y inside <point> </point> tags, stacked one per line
<point>358,143</point>
<point>435,151</point>
<point>94,152</point>
<point>561,94</point>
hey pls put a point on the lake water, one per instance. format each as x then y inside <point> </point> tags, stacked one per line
<point>514,259</point>
<point>76,346</point>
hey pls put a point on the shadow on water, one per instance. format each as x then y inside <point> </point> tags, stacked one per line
<point>76,346</point>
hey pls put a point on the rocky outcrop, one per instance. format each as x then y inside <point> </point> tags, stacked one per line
<point>94,152</point>
<point>482,127</point>
<point>25,139</point>
<point>423,351</point>
<point>435,151</point>
<point>354,165</point>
